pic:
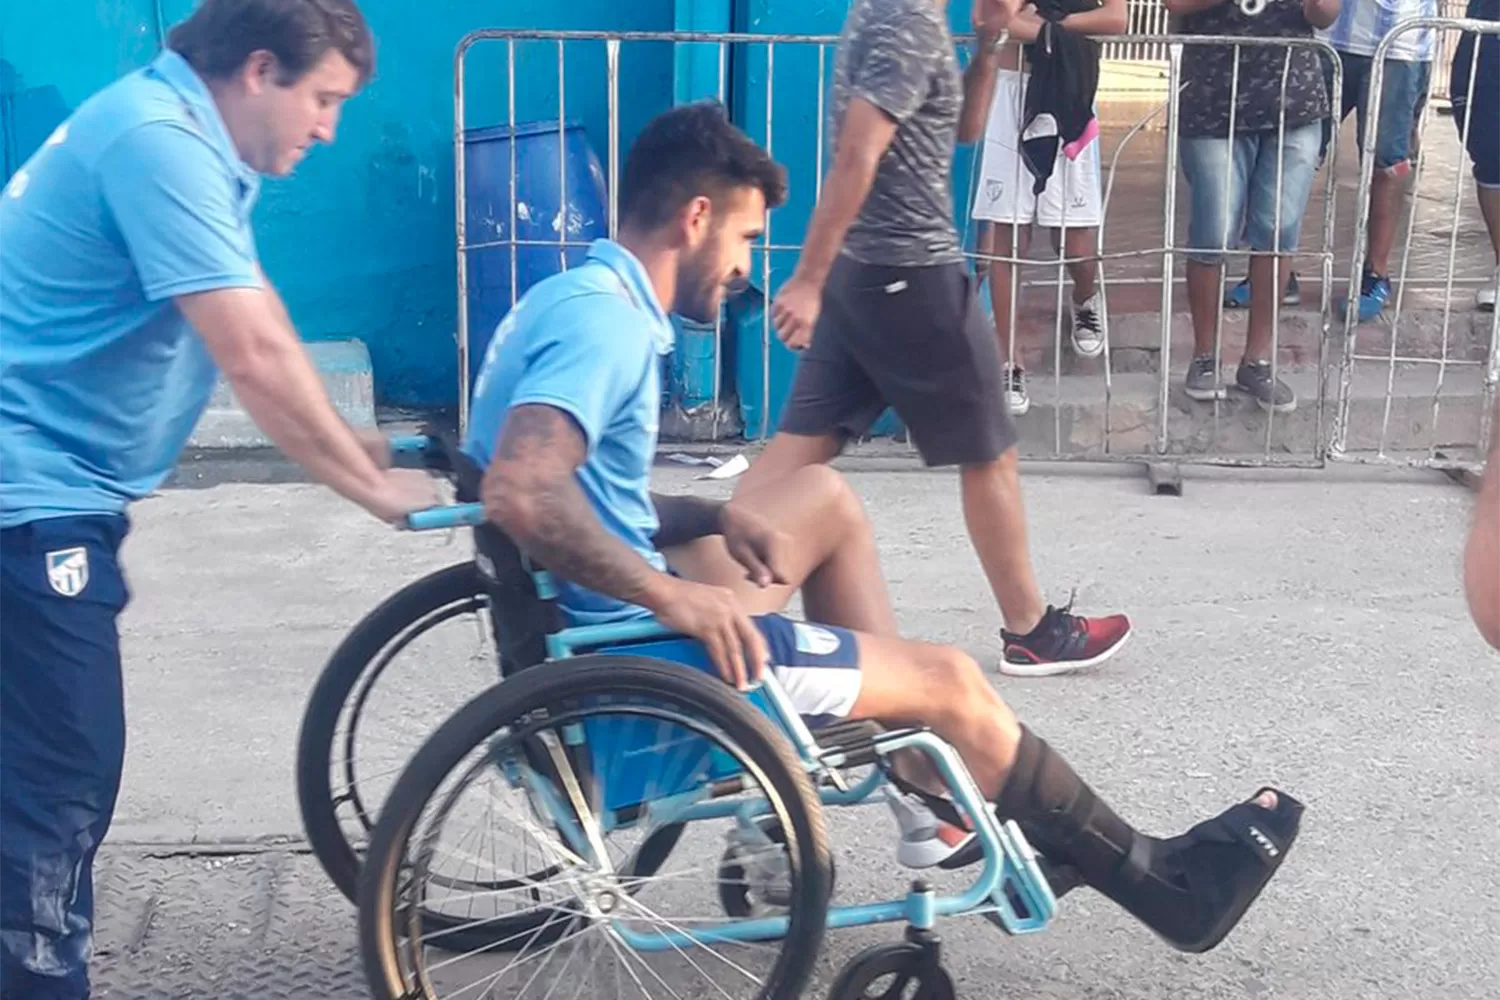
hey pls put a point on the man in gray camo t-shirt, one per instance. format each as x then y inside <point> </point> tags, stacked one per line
<point>884,309</point>
<point>898,55</point>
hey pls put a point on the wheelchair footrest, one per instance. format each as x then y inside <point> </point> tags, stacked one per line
<point>854,739</point>
<point>1026,902</point>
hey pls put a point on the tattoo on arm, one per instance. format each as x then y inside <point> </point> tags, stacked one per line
<point>684,518</point>
<point>532,492</point>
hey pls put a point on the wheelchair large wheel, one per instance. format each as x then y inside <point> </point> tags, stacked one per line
<point>669,746</point>
<point>427,649</point>
<point>341,781</point>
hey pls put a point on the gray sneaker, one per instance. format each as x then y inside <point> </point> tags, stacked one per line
<point>1273,395</point>
<point>1203,380</point>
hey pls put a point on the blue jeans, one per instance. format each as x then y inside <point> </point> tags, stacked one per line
<point>1234,190</point>
<point>1402,92</point>
<point>62,744</point>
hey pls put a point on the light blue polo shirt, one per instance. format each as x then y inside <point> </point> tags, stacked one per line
<point>138,197</point>
<point>588,341</point>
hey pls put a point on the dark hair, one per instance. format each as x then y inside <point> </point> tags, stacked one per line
<point>688,151</point>
<point>221,34</point>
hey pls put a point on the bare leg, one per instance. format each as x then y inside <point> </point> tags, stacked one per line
<point>1385,208</point>
<point>833,558</point>
<point>784,455</point>
<point>1002,273</point>
<point>1082,243</point>
<point>906,683</point>
<point>996,519</point>
<point>1489,207</point>
<point>1191,890</point>
<point>1204,301</point>
<point>1268,281</point>
<point>838,567</point>
<point>1482,547</point>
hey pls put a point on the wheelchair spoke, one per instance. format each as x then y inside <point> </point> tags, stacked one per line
<point>671,925</point>
<point>769,851</point>
<point>517,961</point>
<point>561,973</point>
<point>469,925</point>
<point>622,955</point>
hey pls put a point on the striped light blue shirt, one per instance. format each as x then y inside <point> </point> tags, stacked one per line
<point>1363,24</point>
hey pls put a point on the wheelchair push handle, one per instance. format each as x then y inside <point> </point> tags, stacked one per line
<point>410,444</point>
<point>447,516</point>
<point>442,517</point>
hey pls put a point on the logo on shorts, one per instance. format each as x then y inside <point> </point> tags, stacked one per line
<point>68,571</point>
<point>993,189</point>
<point>815,641</point>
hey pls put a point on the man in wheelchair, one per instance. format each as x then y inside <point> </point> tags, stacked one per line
<point>564,424</point>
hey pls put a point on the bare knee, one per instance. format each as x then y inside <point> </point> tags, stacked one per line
<point>784,457</point>
<point>829,493</point>
<point>1004,470</point>
<point>961,699</point>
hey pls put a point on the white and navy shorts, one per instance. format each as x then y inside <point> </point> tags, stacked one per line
<point>816,665</point>
<point>1073,197</point>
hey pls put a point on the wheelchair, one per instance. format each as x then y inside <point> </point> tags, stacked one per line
<point>670,827</point>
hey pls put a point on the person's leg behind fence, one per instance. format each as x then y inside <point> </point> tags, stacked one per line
<point>1006,205</point>
<point>1072,208</point>
<point>1278,189</point>
<point>1474,89</point>
<point>1216,169</point>
<point>1403,87</point>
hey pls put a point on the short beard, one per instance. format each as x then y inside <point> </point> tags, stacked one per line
<point>697,289</point>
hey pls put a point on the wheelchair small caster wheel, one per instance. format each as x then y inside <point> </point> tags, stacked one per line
<point>905,971</point>
<point>753,873</point>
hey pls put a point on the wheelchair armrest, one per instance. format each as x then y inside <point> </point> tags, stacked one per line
<point>589,636</point>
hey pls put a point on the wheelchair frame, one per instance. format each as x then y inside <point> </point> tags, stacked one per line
<point>1010,872</point>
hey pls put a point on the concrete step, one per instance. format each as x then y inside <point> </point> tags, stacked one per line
<point>348,377</point>
<point>1135,338</point>
<point>1073,415</point>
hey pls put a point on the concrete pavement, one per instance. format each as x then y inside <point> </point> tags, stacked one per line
<point>1299,629</point>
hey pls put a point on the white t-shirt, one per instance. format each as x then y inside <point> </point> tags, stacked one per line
<point>1363,24</point>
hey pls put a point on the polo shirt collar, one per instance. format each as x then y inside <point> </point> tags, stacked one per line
<point>176,72</point>
<point>629,269</point>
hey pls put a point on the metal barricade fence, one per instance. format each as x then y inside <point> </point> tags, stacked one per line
<point>753,55</point>
<point>1146,19</point>
<point>1431,386</point>
<point>743,70</point>
<point>1143,413</point>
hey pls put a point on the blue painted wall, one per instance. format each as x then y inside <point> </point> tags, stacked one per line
<point>361,240</point>
<point>790,127</point>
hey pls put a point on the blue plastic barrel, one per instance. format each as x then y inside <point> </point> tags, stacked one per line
<point>539,214</point>
<point>694,361</point>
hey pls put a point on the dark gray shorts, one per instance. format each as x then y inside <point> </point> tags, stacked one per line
<point>912,338</point>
